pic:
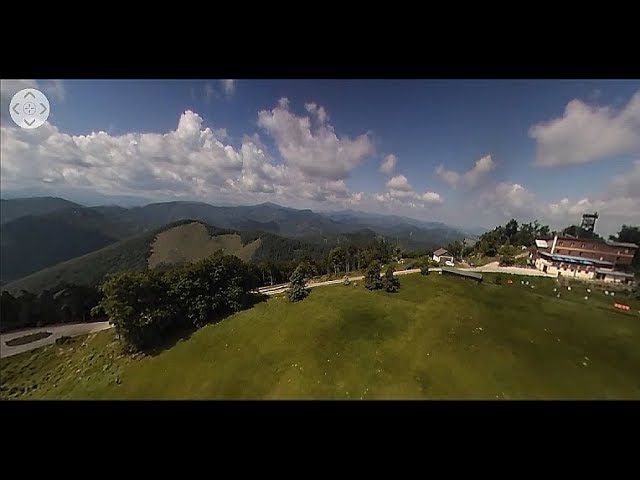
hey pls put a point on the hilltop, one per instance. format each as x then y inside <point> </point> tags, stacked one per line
<point>439,337</point>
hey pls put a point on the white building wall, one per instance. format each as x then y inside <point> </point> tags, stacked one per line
<point>612,279</point>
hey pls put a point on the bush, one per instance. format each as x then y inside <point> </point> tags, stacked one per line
<point>298,290</point>
<point>346,280</point>
<point>372,280</point>
<point>390,282</point>
<point>498,280</point>
<point>507,261</point>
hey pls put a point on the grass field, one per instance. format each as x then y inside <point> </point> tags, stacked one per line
<point>192,242</point>
<point>439,337</point>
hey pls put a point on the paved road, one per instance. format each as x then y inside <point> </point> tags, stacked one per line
<point>274,290</point>
<point>57,331</point>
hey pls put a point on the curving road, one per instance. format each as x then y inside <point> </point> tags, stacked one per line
<point>57,331</point>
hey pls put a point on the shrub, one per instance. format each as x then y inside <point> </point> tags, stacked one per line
<point>507,260</point>
<point>390,282</point>
<point>298,290</point>
<point>498,280</point>
<point>372,280</point>
<point>346,280</point>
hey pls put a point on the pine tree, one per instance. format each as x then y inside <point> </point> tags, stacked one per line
<point>372,280</point>
<point>390,282</point>
<point>298,290</point>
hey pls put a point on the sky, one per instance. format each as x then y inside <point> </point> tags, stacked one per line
<point>471,153</point>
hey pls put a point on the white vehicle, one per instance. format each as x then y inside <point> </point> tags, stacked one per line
<point>449,263</point>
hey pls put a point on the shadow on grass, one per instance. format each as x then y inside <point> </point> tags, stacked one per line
<point>172,337</point>
<point>629,313</point>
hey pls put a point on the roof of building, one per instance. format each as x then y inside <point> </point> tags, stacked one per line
<point>621,244</point>
<point>572,259</point>
<point>542,243</point>
<point>613,273</point>
<point>441,251</point>
<point>611,243</point>
<point>462,273</point>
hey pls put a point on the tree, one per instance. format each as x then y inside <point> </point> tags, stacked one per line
<point>337,258</point>
<point>134,303</point>
<point>423,264</point>
<point>10,308</point>
<point>390,282</point>
<point>455,249</point>
<point>579,232</point>
<point>544,231</point>
<point>511,229</point>
<point>298,290</point>
<point>629,234</point>
<point>372,280</point>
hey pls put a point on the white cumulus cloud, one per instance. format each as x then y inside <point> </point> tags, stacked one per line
<point>401,193</point>
<point>471,177</point>
<point>388,164</point>
<point>399,183</point>
<point>586,133</point>
<point>316,151</point>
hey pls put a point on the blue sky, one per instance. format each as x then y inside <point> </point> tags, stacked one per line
<point>550,149</point>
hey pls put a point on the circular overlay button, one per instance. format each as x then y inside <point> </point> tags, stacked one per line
<point>29,108</point>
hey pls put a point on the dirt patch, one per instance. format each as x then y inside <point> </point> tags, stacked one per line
<point>192,242</point>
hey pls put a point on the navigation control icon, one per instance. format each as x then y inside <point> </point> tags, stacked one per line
<point>29,108</point>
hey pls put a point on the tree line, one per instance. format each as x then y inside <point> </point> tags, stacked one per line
<point>66,303</point>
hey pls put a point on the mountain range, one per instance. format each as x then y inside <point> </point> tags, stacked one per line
<point>40,232</point>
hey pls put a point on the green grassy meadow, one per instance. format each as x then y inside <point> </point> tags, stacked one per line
<point>438,338</point>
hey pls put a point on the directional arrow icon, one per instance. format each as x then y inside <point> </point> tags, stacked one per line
<point>32,122</point>
<point>44,109</point>
<point>29,93</point>
<point>14,108</point>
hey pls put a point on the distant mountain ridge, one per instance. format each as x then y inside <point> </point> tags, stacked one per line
<point>15,208</point>
<point>136,252</point>
<point>41,232</point>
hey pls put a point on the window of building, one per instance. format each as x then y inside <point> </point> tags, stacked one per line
<point>571,244</point>
<point>618,252</point>
<point>570,252</point>
<point>626,250</point>
<point>601,258</point>
<point>595,247</point>
<point>560,243</point>
<point>582,246</point>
